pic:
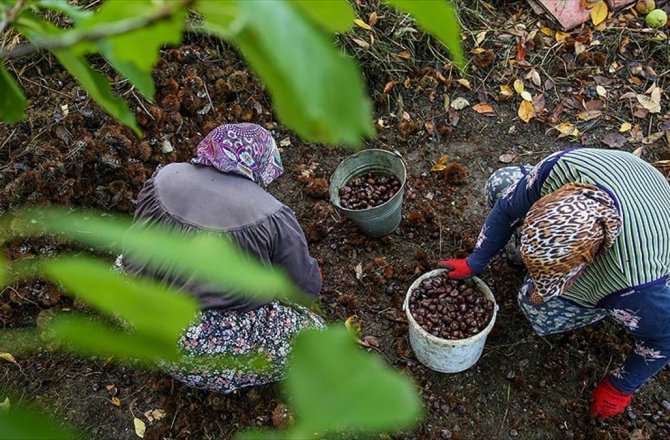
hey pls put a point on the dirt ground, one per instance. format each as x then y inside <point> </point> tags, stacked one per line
<point>524,386</point>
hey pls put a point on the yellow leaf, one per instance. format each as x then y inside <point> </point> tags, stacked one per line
<point>527,96</point>
<point>361,23</point>
<point>518,86</point>
<point>625,127</point>
<point>7,357</point>
<point>562,37</point>
<point>465,83</point>
<point>116,401</point>
<point>477,50</point>
<point>547,31</point>
<point>140,427</point>
<point>506,91</point>
<point>566,129</point>
<point>526,111</point>
<point>353,325</point>
<point>599,12</point>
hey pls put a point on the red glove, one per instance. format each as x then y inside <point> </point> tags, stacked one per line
<point>608,401</point>
<point>457,269</point>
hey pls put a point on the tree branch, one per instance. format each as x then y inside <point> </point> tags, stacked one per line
<point>98,33</point>
<point>10,15</point>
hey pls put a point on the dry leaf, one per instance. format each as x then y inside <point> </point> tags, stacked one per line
<point>480,38</point>
<point>155,414</point>
<point>600,90</point>
<point>587,115</point>
<point>639,151</point>
<point>116,401</point>
<point>653,138</point>
<point>359,271</point>
<point>599,12</point>
<point>371,21</point>
<point>506,91</point>
<point>7,357</point>
<point>534,76</point>
<point>140,427</point>
<point>518,86</point>
<point>5,404</point>
<point>527,96</point>
<point>404,54</point>
<point>507,158</point>
<point>579,48</point>
<point>526,111</point>
<point>362,43</point>
<point>440,165</point>
<point>614,140</point>
<point>566,129</point>
<point>389,85</point>
<point>430,128</point>
<point>649,103</point>
<point>459,103</point>
<point>353,325</point>
<point>625,127</point>
<point>361,23</point>
<point>465,83</point>
<point>483,108</point>
<point>547,31</point>
<point>562,37</point>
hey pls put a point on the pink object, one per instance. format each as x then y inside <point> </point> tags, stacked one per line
<point>569,13</point>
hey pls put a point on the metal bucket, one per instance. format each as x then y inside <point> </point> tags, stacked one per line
<point>447,355</point>
<point>380,220</point>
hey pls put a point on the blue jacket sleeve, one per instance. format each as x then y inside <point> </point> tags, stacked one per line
<point>644,313</point>
<point>508,213</point>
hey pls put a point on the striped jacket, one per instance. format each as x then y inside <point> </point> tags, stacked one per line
<point>629,280</point>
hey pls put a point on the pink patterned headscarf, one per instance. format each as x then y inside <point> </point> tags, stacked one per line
<point>245,149</point>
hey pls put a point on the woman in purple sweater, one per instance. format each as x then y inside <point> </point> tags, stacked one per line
<point>221,190</point>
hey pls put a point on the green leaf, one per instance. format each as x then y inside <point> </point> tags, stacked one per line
<point>98,87</point>
<point>207,257</point>
<point>332,15</point>
<point>336,386</point>
<point>146,305</point>
<point>76,13</point>
<point>12,101</point>
<point>316,90</point>
<point>24,424</point>
<point>439,19</point>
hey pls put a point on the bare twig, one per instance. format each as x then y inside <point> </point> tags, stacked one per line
<point>106,31</point>
<point>11,15</point>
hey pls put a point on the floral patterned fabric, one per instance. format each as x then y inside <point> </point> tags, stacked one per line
<point>245,149</point>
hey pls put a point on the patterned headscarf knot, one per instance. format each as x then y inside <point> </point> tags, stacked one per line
<point>245,149</point>
<point>563,232</point>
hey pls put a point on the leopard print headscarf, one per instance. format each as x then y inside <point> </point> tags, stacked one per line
<point>562,233</point>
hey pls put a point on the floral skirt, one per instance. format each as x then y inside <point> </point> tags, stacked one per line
<point>267,331</point>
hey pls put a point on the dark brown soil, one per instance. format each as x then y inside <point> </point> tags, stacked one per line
<point>524,386</point>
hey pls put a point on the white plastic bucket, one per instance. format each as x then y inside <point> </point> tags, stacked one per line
<point>447,355</point>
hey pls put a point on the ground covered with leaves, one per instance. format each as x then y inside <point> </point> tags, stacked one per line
<point>531,90</point>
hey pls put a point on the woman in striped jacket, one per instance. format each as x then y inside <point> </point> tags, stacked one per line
<point>595,238</point>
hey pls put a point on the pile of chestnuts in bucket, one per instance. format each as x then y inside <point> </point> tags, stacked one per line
<point>450,309</point>
<point>368,191</point>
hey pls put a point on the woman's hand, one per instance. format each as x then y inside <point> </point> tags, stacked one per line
<point>457,269</point>
<point>608,401</point>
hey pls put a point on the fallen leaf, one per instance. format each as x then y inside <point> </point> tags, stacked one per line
<point>362,43</point>
<point>483,108</point>
<point>388,272</point>
<point>599,12</point>
<point>286,142</point>
<point>459,103</point>
<point>430,128</point>
<point>640,112</point>
<point>5,404</point>
<point>579,48</point>
<point>359,271</point>
<point>600,90</point>
<point>653,138</point>
<point>484,58</point>
<point>534,76</point>
<point>371,21</point>
<point>520,51</point>
<point>7,357</point>
<point>614,140</point>
<point>649,103</point>
<point>639,151</point>
<point>389,85</point>
<point>479,39</point>
<point>361,23</point>
<point>405,54</point>
<point>587,115</point>
<point>140,427</point>
<point>625,127</point>
<point>566,129</point>
<point>116,401</point>
<point>465,83</point>
<point>506,91</point>
<point>539,103</point>
<point>440,165</point>
<point>547,31</point>
<point>628,95</point>
<point>507,158</point>
<point>155,414</point>
<point>369,341</point>
<point>518,86</point>
<point>562,37</point>
<point>526,111</point>
<point>353,325</point>
<point>527,96</point>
